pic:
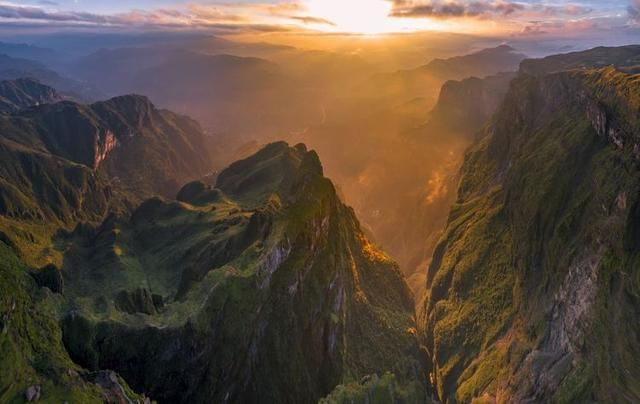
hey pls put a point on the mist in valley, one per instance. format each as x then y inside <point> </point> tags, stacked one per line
<point>370,107</point>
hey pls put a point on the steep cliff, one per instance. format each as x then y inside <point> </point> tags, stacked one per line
<point>532,292</point>
<point>263,289</point>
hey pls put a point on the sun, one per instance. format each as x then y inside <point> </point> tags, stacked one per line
<point>357,16</point>
<point>369,17</point>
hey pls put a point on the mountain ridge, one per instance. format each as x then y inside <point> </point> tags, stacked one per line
<point>543,202</point>
<point>251,252</point>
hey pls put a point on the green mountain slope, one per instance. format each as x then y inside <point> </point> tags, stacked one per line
<point>263,289</point>
<point>532,292</point>
<point>32,356</point>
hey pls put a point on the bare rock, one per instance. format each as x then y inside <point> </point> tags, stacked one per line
<point>32,393</point>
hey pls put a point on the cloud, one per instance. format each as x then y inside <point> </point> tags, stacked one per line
<point>560,27</point>
<point>445,9</point>
<point>225,18</point>
<point>305,19</point>
<point>453,9</point>
<point>293,15</point>
<point>633,10</point>
<point>10,11</point>
<point>197,12</point>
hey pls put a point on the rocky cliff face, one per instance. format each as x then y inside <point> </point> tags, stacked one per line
<point>263,289</point>
<point>531,294</point>
<point>156,149</point>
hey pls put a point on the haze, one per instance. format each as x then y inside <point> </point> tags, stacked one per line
<point>171,145</point>
<point>354,80</point>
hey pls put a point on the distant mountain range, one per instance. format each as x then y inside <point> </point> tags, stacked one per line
<point>12,68</point>
<point>425,81</point>
<point>485,62</point>
<point>624,57</point>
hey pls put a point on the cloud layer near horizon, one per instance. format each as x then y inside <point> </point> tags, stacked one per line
<point>526,17</point>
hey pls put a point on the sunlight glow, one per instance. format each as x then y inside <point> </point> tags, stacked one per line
<point>363,17</point>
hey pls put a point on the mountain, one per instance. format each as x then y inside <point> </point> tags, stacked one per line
<point>12,68</point>
<point>62,161</point>
<point>77,45</point>
<point>261,289</point>
<point>485,62</point>
<point>30,52</point>
<point>114,69</point>
<point>424,81</point>
<point>381,168</point>
<point>532,292</point>
<point>217,89</point>
<point>624,57</point>
<point>23,93</point>
<point>464,106</point>
<point>328,101</point>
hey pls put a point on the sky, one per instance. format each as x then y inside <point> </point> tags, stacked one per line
<point>512,17</point>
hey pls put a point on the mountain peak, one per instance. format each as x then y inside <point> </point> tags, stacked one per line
<point>275,168</point>
<point>505,48</point>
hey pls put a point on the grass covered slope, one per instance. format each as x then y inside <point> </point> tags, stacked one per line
<point>32,356</point>
<point>533,289</point>
<point>263,289</point>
